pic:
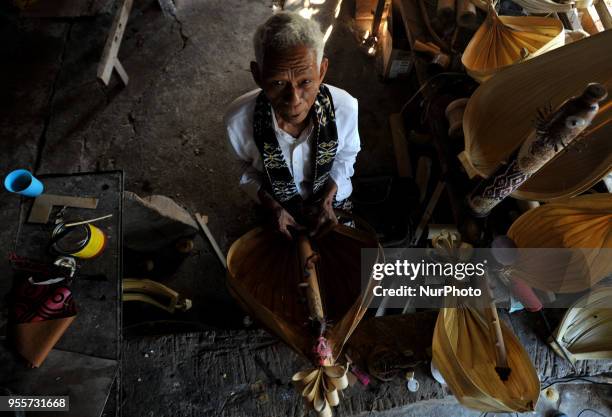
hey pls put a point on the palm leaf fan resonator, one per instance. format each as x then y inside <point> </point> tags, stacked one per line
<point>464,354</point>
<point>585,332</point>
<point>502,113</point>
<point>581,227</point>
<point>309,293</point>
<point>505,40</point>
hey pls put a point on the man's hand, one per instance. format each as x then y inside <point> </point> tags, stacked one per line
<point>280,217</point>
<point>326,217</point>
<point>284,220</point>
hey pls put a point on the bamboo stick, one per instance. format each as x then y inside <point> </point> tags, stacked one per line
<point>88,221</point>
<point>202,220</point>
<point>313,293</point>
<point>495,333</point>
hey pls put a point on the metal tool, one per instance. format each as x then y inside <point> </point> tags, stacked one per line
<point>43,205</point>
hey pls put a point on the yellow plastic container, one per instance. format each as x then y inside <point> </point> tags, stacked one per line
<point>84,241</point>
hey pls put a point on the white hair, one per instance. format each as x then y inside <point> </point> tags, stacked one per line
<point>287,30</point>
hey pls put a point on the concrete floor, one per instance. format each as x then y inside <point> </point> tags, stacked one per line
<point>165,129</point>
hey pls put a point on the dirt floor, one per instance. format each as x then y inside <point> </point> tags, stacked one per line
<point>164,130</point>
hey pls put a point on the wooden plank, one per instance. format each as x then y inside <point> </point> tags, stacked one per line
<point>43,205</point>
<point>589,20</point>
<point>202,220</point>
<point>121,71</point>
<point>378,17</point>
<point>413,24</point>
<point>400,146</point>
<point>604,14</point>
<point>109,56</point>
<point>433,201</point>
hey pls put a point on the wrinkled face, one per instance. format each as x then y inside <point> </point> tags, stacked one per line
<point>291,79</point>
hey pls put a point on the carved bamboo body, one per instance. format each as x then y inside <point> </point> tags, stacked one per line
<point>554,132</point>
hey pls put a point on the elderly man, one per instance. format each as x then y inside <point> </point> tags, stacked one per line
<point>297,138</point>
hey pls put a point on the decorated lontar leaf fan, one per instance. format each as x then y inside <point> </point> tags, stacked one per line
<point>583,226</point>
<point>503,113</point>
<point>505,40</point>
<point>465,355</point>
<point>585,332</point>
<point>308,292</point>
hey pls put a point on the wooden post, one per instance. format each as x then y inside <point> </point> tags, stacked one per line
<point>109,60</point>
<point>587,20</point>
<point>604,14</point>
<point>380,8</point>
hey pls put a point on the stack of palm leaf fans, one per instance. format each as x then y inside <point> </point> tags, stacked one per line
<point>582,228</point>
<point>502,113</point>
<point>308,292</point>
<point>505,40</point>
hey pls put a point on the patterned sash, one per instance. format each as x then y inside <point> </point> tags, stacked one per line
<point>280,181</point>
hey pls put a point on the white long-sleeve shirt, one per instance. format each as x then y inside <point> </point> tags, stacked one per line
<point>296,151</point>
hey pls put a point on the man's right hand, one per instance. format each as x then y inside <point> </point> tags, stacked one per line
<point>284,220</point>
<point>281,218</point>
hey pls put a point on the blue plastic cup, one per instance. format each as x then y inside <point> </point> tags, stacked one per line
<point>21,181</point>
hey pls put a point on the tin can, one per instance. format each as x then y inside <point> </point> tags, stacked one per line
<point>82,241</point>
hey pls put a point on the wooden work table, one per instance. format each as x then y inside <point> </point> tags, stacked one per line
<point>85,363</point>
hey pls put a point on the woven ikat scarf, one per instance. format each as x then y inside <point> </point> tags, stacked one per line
<point>325,140</point>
